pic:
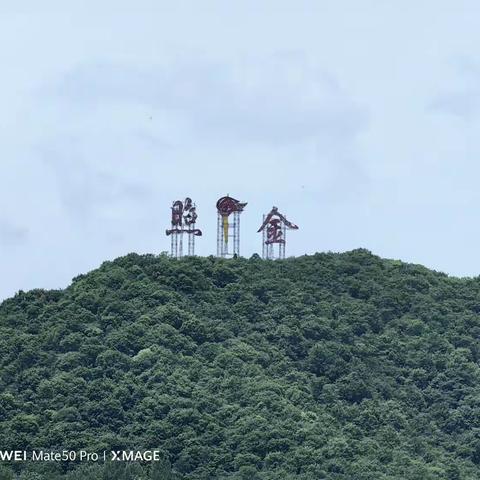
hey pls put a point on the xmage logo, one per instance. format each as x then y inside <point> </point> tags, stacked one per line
<point>135,456</point>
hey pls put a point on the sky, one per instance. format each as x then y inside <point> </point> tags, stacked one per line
<point>358,120</point>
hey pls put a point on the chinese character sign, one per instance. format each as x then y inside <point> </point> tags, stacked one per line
<point>184,216</point>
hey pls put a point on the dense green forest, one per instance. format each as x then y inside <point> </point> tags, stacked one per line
<point>330,366</point>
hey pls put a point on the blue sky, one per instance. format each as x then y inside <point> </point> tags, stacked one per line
<point>358,120</point>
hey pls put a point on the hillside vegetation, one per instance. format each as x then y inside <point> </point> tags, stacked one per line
<point>331,366</point>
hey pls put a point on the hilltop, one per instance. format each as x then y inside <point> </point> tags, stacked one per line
<point>330,366</point>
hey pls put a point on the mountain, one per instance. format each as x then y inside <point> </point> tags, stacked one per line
<point>330,366</point>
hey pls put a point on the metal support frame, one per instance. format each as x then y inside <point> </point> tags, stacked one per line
<point>191,240</point>
<point>176,245</point>
<point>219,235</point>
<point>264,241</point>
<point>281,246</point>
<point>229,245</point>
<point>236,234</point>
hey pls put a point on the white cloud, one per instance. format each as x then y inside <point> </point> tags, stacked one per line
<point>280,99</point>
<point>12,234</point>
<point>463,101</point>
<point>135,134</point>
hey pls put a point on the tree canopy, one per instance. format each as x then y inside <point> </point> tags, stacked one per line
<point>330,366</point>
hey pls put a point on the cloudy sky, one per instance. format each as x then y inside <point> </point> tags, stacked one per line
<point>359,120</point>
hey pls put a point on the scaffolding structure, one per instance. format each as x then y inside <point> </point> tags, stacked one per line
<point>274,232</point>
<point>228,226</point>
<point>184,217</point>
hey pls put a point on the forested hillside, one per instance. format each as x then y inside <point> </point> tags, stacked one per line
<point>331,366</point>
